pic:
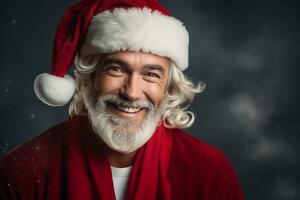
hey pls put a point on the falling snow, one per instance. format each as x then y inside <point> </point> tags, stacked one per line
<point>37,147</point>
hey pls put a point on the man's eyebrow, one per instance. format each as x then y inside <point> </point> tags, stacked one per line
<point>154,67</point>
<point>114,60</point>
<point>123,63</point>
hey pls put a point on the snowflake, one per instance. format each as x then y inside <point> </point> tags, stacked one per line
<point>37,147</point>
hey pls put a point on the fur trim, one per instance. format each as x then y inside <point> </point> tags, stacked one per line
<point>54,90</point>
<point>135,29</point>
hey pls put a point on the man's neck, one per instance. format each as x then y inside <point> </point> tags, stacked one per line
<point>120,160</point>
<point>117,159</point>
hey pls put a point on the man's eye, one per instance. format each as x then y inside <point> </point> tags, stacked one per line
<point>152,75</point>
<point>115,69</point>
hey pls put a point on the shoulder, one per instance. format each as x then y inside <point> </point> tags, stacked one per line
<point>197,154</point>
<point>204,168</point>
<point>35,153</point>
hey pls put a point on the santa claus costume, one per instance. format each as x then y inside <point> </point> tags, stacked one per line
<point>69,162</point>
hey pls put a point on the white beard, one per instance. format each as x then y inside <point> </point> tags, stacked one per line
<point>122,135</point>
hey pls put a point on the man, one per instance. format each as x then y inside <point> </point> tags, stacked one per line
<point>121,140</point>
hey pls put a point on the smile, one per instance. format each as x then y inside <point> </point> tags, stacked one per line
<point>126,109</point>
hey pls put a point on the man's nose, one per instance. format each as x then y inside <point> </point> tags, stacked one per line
<point>132,89</point>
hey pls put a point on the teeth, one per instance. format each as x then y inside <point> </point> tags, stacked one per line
<point>129,109</point>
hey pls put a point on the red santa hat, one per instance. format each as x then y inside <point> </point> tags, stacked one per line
<point>92,27</point>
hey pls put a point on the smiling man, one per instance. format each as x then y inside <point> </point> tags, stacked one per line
<point>129,88</point>
<point>122,140</point>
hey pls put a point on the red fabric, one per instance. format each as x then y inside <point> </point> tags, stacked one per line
<point>73,26</point>
<point>67,162</point>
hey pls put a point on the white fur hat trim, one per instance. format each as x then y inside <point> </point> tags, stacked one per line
<point>135,29</point>
<point>54,90</point>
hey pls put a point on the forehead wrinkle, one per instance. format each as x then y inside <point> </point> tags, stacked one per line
<point>138,59</point>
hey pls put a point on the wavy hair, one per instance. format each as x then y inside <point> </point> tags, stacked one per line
<point>180,92</point>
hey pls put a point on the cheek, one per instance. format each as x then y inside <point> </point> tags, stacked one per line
<point>154,92</point>
<point>107,84</point>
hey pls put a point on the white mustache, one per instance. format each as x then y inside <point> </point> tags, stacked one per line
<point>117,100</point>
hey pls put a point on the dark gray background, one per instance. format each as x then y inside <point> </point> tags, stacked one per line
<point>246,52</point>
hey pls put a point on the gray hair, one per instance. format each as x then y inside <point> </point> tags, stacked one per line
<point>180,92</point>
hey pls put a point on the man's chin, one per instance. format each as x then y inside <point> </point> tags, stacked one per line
<point>121,134</point>
<point>124,139</point>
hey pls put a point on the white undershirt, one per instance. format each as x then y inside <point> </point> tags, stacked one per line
<point>120,179</point>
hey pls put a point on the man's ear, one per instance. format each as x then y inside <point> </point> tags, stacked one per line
<point>170,88</point>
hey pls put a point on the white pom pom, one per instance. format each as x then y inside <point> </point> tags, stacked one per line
<point>54,90</point>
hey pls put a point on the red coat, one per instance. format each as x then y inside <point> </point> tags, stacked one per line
<point>66,162</point>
